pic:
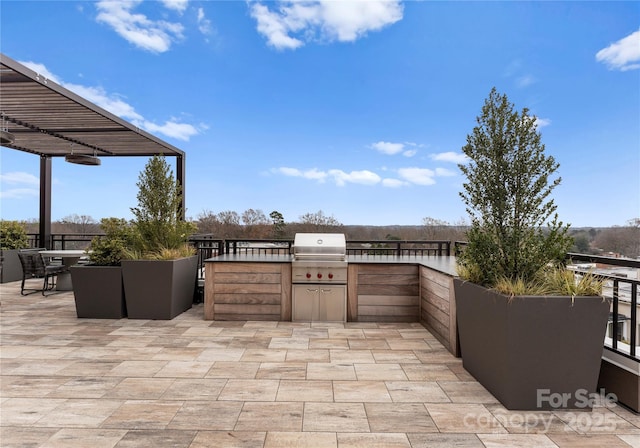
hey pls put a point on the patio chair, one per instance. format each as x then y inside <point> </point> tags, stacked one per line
<point>34,266</point>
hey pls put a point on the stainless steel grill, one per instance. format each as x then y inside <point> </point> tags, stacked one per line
<point>319,277</point>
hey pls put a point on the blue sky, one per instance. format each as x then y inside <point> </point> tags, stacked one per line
<point>358,109</point>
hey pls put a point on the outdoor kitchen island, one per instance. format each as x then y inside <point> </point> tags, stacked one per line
<point>378,289</point>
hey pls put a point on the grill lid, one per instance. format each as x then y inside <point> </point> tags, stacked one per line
<point>319,246</point>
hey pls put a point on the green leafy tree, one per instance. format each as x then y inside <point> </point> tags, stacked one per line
<point>110,249</point>
<point>515,229</point>
<point>278,224</point>
<point>13,235</point>
<point>158,223</point>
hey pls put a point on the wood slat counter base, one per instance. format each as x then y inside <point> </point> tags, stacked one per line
<point>247,291</point>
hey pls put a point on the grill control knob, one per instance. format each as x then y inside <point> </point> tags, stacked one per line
<point>308,275</point>
<point>330,275</point>
<point>319,275</point>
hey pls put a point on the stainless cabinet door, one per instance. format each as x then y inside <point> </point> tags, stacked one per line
<point>305,303</point>
<point>332,305</point>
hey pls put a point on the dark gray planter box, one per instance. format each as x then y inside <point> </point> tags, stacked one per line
<point>11,268</point>
<point>98,291</point>
<point>532,352</point>
<point>159,289</point>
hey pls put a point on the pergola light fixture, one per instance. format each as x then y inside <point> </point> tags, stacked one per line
<point>82,159</point>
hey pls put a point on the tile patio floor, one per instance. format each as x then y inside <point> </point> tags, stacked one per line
<point>69,382</point>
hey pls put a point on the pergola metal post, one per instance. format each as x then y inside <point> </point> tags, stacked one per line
<point>180,175</point>
<point>45,202</point>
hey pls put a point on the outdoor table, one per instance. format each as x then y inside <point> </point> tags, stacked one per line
<point>69,258</point>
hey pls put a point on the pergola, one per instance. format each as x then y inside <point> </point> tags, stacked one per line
<point>45,119</point>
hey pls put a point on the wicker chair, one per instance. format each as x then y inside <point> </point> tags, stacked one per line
<point>34,266</point>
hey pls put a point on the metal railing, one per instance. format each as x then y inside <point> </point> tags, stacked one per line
<point>417,248</point>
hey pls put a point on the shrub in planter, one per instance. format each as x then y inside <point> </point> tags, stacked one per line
<point>160,270</point>
<point>98,286</point>
<point>13,237</point>
<point>513,319</point>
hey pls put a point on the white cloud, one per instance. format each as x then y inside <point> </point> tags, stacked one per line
<point>19,193</point>
<point>328,20</point>
<point>393,183</point>
<point>177,5</point>
<point>450,156</point>
<point>542,122</point>
<point>117,106</point>
<point>622,55</point>
<point>151,35</point>
<point>19,177</point>
<point>204,24</point>
<point>388,147</point>
<point>363,177</point>
<point>525,80</point>
<point>419,176</point>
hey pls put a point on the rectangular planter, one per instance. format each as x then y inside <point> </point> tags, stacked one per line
<point>532,352</point>
<point>11,269</point>
<point>98,292</point>
<point>159,289</point>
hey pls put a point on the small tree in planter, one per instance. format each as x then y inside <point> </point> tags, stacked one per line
<point>13,237</point>
<point>517,245</point>
<point>160,274</point>
<point>98,286</point>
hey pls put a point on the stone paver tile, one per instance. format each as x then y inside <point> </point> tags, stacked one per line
<point>598,421</point>
<point>88,368</point>
<point>368,344</point>
<point>139,388</point>
<point>529,422</point>
<point>184,369</point>
<point>249,390</point>
<point>250,342</point>
<point>210,343</point>
<point>289,343</point>
<point>380,372</point>
<point>516,441</point>
<point>407,344</point>
<point>429,372</point>
<point>282,370</point>
<point>260,324</point>
<point>308,333</point>
<point>335,417</point>
<point>352,333</point>
<point>194,389</point>
<point>221,354</point>
<point>240,332</point>
<point>467,392</point>
<point>436,356</point>
<point>80,413</point>
<point>132,341</point>
<point>424,440</point>
<point>301,440</point>
<point>49,352</point>
<point>212,415</point>
<point>330,371</point>
<point>264,355</point>
<point>178,353</point>
<point>13,351</point>
<point>416,333</point>
<point>351,356</point>
<point>316,343</point>
<point>279,416</point>
<point>590,441</point>
<point>397,356</point>
<point>273,333</point>
<point>416,392</point>
<point>83,438</point>
<point>385,333</point>
<point>370,440</point>
<point>26,411</point>
<point>143,414</point>
<point>85,387</point>
<point>137,368</point>
<point>231,369</point>
<point>229,439</point>
<point>631,440</point>
<point>360,391</point>
<point>305,390</point>
<point>202,331</point>
<point>153,438</point>
<point>30,367</point>
<point>26,386</point>
<point>464,418</point>
<point>25,437</point>
<point>297,355</point>
<point>399,417</point>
